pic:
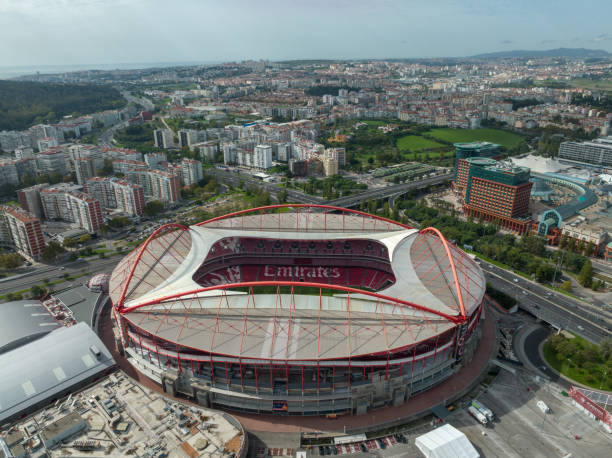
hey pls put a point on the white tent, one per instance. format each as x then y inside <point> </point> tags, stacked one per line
<point>446,442</point>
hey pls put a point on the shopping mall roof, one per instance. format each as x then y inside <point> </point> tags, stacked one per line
<point>48,367</point>
<point>23,321</point>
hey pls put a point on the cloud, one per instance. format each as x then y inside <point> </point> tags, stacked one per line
<point>602,37</point>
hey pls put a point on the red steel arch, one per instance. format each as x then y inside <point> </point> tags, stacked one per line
<point>143,247</point>
<point>326,207</point>
<point>454,319</point>
<point>452,265</point>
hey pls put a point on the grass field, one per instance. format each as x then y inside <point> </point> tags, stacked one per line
<point>594,85</point>
<point>600,379</point>
<point>507,139</point>
<point>416,143</point>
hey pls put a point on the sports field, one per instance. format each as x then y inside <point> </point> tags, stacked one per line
<point>416,143</point>
<point>507,139</point>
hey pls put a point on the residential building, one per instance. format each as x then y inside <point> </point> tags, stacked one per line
<point>155,160</point>
<point>26,167</point>
<point>330,164</point>
<point>187,137</point>
<point>101,188</point>
<point>208,150</point>
<point>84,168</point>
<point>46,143</point>
<point>29,199</point>
<point>596,153</point>
<point>8,172</point>
<point>123,165</point>
<point>92,152</point>
<point>129,197</point>
<point>498,193</point>
<point>191,171</point>
<point>337,153</point>
<point>163,138</point>
<point>68,203</point>
<point>263,157</point>
<point>24,152</point>
<point>157,184</point>
<point>52,161</point>
<point>22,230</point>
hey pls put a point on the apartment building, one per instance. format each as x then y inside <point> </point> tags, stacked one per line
<point>262,157</point>
<point>84,169</point>
<point>52,160</point>
<point>114,193</point>
<point>123,165</point>
<point>22,230</point>
<point>68,203</point>
<point>596,153</point>
<point>155,160</point>
<point>29,199</point>
<point>187,137</point>
<point>191,171</point>
<point>163,138</point>
<point>208,150</point>
<point>8,172</point>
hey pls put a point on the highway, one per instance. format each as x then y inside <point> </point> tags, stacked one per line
<point>35,276</point>
<point>554,308</point>
<point>388,191</point>
<point>299,197</point>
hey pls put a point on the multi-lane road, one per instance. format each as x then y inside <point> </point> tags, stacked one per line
<point>36,276</point>
<point>294,196</point>
<point>554,308</point>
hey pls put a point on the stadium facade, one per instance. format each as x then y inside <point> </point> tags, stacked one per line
<point>297,309</point>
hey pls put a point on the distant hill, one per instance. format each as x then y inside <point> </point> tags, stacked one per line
<point>576,53</point>
<point>23,104</point>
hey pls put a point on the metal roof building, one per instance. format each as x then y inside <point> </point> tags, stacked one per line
<point>22,322</point>
<point>50,367</point>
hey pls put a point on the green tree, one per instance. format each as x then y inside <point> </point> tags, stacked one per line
<point>585,278</point>
<point>153,208</point>
<point>85,238</point>
<point>567,286</point>
<point>52,250</point>
<point>69,242</point>
<point>37,291</point>
<point>10,261</point>
<point>282,196</point>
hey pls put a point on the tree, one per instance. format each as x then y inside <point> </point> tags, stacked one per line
<point>52,250</point>
<point>605,348</point>
<point>567,286</point>
<point>37,291</point>
<point>282,196</point>
<point>10,261</point>
<point>153,208</point>
<point>69,242</point>
<point>104,229</point>
<point>586,274</point>
<point>85,238</point>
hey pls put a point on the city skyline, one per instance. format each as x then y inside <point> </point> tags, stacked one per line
<point>120,31</point>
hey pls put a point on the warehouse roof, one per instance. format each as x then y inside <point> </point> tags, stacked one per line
<point>42,369</point>
<point>23,321</point>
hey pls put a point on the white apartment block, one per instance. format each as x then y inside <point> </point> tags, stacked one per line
<point>263,156</point>
<point>163,138</point>
<point>29,199</point>
<point>191,171</point>
<point>208,150</point>
<point>187,137</point>
<point>52,160</point>
<point>68,204</point>
<point>155,160</point>
<point>46,142</point>
<point>92,152</point>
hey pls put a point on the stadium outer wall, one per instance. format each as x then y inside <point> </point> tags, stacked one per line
<point>351,385</point>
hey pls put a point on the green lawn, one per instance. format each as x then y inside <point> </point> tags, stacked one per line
<point>571,370</point>
<point>507,139</point>
<point>594,85</point>
<point>416,143</point>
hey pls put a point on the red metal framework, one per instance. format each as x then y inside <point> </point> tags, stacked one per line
<point>317,206</point>
<point>159,231</point>
<point>293,284</point>
<point>452,265</point>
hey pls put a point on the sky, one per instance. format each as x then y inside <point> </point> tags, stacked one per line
<point>77,32</point>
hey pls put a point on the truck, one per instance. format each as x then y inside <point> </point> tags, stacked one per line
<point>483,409</point>
<point>478,415</point>
<point>543,407</point>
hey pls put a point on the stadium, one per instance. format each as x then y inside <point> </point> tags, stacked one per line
<point>297,310</point>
